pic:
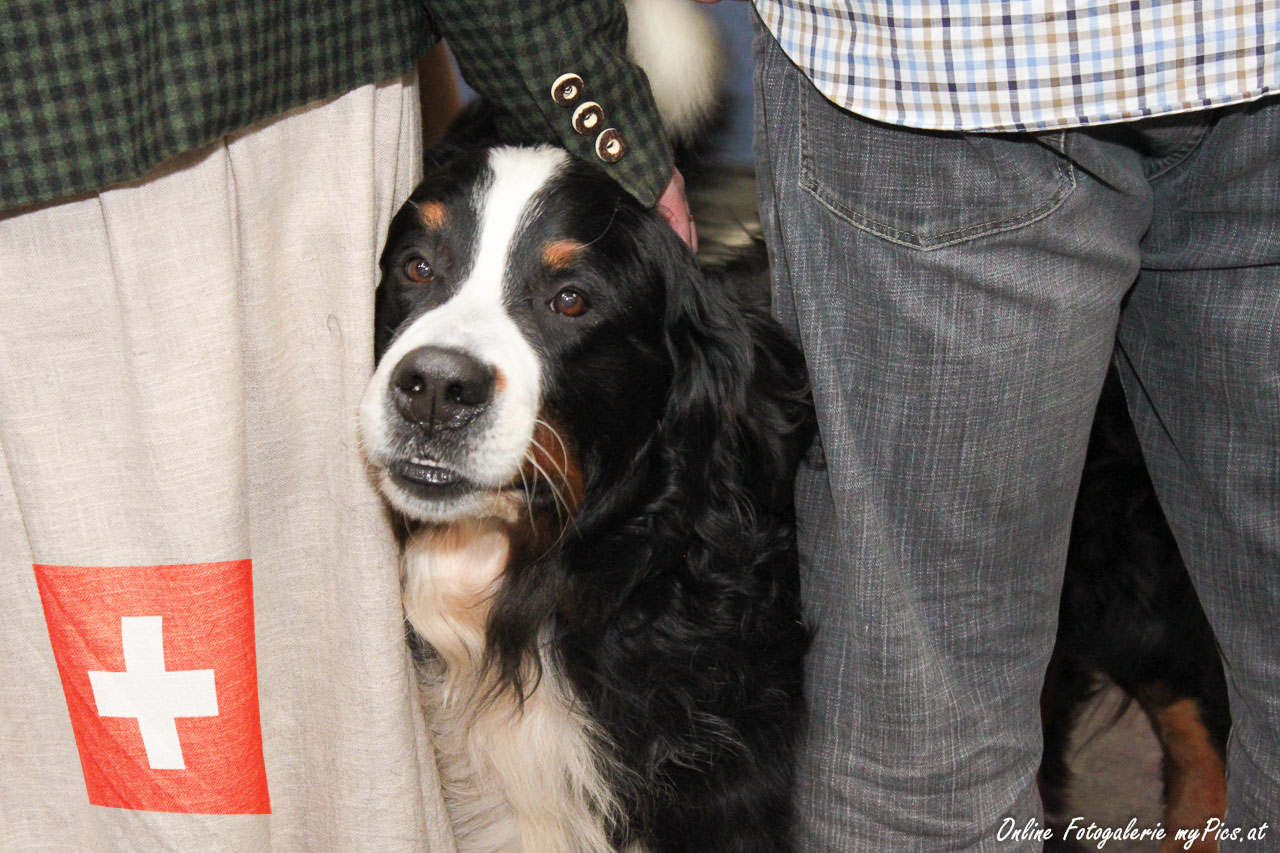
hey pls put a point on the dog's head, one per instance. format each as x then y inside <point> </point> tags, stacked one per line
<point>542,337</point>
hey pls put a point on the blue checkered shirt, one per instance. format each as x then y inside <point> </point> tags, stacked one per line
<point>1002,65</point>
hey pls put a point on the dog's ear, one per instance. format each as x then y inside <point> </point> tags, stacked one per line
<point>738,416</point>
<point>779,404</point>
<point>476,127</point>
<point>384,319</point>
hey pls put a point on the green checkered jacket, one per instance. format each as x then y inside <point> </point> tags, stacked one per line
<point>98,92</point>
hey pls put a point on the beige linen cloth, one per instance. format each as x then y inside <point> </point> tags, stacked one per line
<point>180,364</point>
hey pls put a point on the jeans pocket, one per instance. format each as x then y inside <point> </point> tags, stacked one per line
<point>924,188</point>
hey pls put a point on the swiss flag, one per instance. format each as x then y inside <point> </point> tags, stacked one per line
<point>161,679</point>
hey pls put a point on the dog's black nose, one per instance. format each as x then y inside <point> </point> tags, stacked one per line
<point>442,388</point>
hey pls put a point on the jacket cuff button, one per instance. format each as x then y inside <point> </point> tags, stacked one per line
<point>610,146</point>
<point>567,89</point>
<point>588,118</point>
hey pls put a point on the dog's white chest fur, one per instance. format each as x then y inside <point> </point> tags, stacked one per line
<point>516,777</point>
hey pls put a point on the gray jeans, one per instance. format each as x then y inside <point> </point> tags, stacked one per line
<point>958,298</point>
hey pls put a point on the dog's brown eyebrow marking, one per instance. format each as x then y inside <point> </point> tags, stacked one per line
<point>558,254</point>
<point>433,214</point>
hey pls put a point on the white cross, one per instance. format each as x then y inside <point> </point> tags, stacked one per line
<point>155,697</point>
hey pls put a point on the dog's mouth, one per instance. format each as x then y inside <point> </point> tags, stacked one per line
<point>458,476</point>
<point>428,477</point>
<point>435,480</point>
<point>427,489</point>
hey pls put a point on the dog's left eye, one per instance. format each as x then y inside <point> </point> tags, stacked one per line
<point>569,302</point>
<point>419,271</point>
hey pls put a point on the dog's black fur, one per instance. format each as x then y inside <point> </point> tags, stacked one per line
<point>671,594</point>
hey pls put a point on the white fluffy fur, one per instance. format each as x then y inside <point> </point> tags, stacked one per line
<point>677,45</point>
<point>516,778</point>
<point>475,321</point>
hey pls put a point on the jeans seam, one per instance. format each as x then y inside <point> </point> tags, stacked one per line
<point>1176,158</point>
<point>951,238</point>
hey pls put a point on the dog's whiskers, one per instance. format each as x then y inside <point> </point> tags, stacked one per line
<point>528,492</point>
<point>551,460</point>
<point>561,505</point>
<point>563,510</point>
<point>607,225</point>
<point>564,448</point>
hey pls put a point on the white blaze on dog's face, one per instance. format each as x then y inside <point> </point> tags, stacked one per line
<point>520,328</point>
<point>449,414</point>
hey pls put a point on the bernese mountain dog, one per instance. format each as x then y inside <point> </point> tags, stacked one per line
<point>1129,613</point>
<point>592,442</point>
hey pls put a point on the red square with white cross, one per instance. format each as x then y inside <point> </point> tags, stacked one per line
<point>160,674</point>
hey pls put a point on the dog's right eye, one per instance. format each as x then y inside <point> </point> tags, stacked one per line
<point>569,303</point>
<point>419,271</point>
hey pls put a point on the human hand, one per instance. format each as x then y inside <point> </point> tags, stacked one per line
<point>674,208</point>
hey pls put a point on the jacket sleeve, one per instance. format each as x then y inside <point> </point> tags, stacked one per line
<point>557,71</point>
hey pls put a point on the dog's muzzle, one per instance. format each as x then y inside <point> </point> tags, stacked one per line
<point>448,416</point>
